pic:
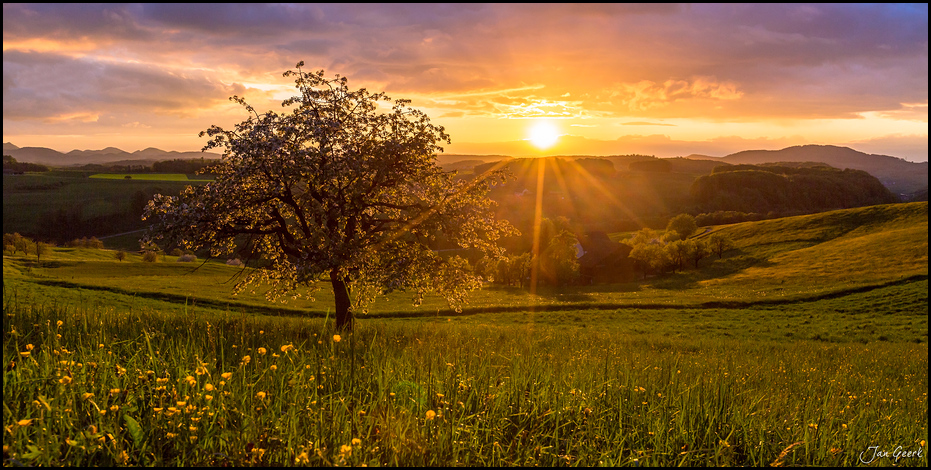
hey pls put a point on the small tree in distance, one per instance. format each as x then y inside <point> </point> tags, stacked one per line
<point>337,189</point>
<point>719,243</point>
<point>682,225</point>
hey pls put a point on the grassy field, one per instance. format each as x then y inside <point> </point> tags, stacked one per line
<point>805,345</point>
<point>33,198</point>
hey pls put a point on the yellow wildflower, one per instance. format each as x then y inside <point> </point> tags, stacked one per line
<point>59,323</point>
<point>65,380</point>
<point>262,351</point>
<point>273,367</point>
<point>24,422</point>
<point>337,338</point>
<point>302,458</point>
<point>246,359</point>
<point>208,397</point>
<point>208,387</point>
<point>226,375</point>
<point>356,441</point>
<point>24,353</point>
<point>87,396</point>
<point>29,347</point>
<point>115,408</point>
<point>430,415</point>
<point>260,395</point>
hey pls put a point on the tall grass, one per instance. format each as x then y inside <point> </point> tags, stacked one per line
<point>100,386</point>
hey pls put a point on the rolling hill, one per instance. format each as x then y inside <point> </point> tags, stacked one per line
<point>111,155</point>
<point>900,176</point>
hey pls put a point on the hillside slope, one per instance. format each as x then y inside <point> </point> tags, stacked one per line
<point>833,251</point>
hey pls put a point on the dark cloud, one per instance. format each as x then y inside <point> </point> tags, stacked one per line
<point>49,86</point>
<point>72,21</point>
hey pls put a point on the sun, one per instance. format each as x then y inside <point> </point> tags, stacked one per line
<point>543,135</point>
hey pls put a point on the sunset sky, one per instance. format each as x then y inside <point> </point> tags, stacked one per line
<point>662,79</point>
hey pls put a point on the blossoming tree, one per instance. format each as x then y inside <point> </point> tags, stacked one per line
<point>344,188</point>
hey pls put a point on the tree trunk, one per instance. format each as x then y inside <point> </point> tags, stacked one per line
<point>343,303</point>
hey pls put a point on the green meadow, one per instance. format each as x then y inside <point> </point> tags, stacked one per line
<point>806,344</point>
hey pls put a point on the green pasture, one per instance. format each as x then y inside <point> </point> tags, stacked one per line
<point>93,381</point>
<point>30,201</point>
<point>778,262</point>
<point>804,345</point>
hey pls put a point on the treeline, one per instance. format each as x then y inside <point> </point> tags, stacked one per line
<point>11,165</point>
<point>787,190</point>
<point>178,165</point>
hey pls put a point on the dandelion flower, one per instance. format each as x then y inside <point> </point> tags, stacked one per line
<point>262,351</point>
<point>208,387</point>
<point>337,338</point>
<point>430,415</point>
<point>302,458</point>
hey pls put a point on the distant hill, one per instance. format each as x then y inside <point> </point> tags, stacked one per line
<point>109,155</point>
<point>900,176</point>
<point>785,189</point>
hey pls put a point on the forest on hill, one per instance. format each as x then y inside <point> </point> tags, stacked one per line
<point>781,189</point>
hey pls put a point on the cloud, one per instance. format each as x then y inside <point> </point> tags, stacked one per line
<point>52,87</point>
<point>66,64</point>
<point>644,123</point>
<point>646,94</point>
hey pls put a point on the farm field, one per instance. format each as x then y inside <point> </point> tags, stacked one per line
<point>805,345</point>
<point>32,203</point>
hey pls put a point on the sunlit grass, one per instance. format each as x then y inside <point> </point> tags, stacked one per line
<point>101,386</point>
<point>132,363</point>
